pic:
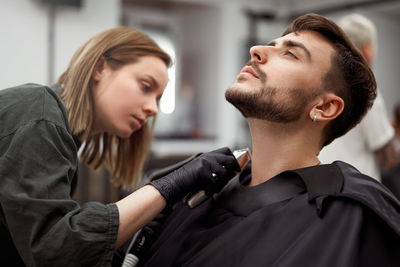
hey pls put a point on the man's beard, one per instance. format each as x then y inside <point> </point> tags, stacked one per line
<point>263,103</point>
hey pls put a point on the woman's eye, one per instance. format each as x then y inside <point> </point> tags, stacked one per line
<point>146,86</point>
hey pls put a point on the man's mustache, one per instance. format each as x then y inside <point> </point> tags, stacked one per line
<point>257,69</point>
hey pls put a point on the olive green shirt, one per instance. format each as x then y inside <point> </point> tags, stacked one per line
<point>40,225</point>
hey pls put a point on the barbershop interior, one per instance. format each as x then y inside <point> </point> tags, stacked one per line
<point>209,43</point>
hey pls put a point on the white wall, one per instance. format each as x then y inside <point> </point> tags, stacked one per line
<point>231,52</point>
<point>74,27</point>
<point>23,47</point>
<point>24,26</point>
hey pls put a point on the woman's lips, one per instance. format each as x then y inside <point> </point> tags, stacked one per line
<point>138,122</point>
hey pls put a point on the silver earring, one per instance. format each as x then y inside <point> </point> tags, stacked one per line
<point>314,119</point>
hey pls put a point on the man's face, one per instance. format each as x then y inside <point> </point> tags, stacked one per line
<point>282,77</point>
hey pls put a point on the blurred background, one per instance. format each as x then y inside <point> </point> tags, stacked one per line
<point>209,41</point>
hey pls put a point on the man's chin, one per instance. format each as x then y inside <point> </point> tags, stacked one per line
<point>235,89</point>
<point>230,92</point>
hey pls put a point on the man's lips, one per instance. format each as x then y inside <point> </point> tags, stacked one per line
<point>249,70</point>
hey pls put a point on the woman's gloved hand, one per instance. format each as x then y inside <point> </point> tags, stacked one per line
<point>209,171</point>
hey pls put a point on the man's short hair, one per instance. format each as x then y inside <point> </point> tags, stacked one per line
<point>349,77</point>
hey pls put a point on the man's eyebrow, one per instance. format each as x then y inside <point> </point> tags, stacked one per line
<point>271,43</point>
<point>291,43</point>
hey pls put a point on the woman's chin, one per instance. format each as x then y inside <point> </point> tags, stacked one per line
<point>126,133</point>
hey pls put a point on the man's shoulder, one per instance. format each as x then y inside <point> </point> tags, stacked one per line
<point>370,193</point>
<point>27,103</point>
<point>356,183</point>
<point>363,190</point>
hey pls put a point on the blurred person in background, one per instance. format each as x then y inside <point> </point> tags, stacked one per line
<point>391,176</point>
<point>371,145</point>
<point>102,102</point>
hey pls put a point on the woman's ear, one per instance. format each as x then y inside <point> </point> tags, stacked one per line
<point>99,69</point>
<point>329,107</point>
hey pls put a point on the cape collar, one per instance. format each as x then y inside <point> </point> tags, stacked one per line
<point>324,179</point>
<point>316,181</point>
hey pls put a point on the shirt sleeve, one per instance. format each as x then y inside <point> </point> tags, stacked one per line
<point>376,126</point>
<point>48,228</point>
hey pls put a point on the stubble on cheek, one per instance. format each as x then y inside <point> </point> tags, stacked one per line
<point>265,103</point>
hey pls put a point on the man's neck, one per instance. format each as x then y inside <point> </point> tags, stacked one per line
<point>277,148</point>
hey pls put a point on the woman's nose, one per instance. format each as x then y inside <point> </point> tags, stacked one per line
<point>151,107</point>
<point>258,54</point>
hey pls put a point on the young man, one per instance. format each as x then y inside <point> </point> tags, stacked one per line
<point>298,93</point>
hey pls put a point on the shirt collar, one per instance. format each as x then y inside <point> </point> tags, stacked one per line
<point>57,89</point>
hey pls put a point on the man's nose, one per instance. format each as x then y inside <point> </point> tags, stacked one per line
<point>258,54</point>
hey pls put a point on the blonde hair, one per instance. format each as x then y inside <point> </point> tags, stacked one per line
<point>119,46</point>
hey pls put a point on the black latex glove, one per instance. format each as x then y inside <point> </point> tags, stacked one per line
<point>209,171</point>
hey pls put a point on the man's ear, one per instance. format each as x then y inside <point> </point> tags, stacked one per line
<point>99,68</point>
<point>329,106</point>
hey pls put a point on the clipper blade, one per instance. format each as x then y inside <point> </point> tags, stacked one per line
<point>243,156</point>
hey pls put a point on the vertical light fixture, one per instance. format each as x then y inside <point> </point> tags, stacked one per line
<point>167,101</point>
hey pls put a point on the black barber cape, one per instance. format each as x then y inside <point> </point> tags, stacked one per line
<point>326,215</point>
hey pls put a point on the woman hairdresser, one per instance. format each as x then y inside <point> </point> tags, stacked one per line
<point>103,100</point>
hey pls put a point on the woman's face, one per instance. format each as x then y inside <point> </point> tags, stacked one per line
<point>125,98</point>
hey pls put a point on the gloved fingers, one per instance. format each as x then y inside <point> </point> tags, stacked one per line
<point>229,162</point>
<point>220,176</point>
<point>224,157</point>
<point>223,171</point>
<point>198,173</point>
